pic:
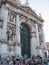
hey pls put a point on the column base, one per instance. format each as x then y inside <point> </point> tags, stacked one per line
<point>18,50</point>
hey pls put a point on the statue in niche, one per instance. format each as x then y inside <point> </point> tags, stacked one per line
<point>11,18</point>
<point>10,34</point>
<point>41,38</point>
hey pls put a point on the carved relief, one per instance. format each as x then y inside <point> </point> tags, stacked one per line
<point>39,29</point>
<point>11,16</point>
<point>10,33</point>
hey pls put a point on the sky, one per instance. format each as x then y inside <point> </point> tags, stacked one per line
<point>41,6</point>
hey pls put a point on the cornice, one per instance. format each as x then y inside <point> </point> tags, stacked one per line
<point>15,5</point>
<point>18,7</point>
<point>3,41</point>
<point>23,13</point>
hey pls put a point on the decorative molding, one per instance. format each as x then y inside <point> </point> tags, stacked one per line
<point>33,35</point>
<point>33,32</point>
<point>20,10</point>
<point>3,41</point>
<point>19,44</point>
<point>38,47</point>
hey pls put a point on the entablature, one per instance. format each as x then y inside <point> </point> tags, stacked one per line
<point>18,9</point>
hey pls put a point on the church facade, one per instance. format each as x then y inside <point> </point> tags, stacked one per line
<point>21,30</point>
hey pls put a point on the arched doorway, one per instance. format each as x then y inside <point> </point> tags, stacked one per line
<point>25,40</point>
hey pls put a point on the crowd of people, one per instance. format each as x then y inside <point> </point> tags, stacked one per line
<point>24,61</point>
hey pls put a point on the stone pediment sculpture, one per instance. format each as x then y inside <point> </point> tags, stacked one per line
<point>28,9</point>
<point>18,1</point>
<point>25,7</point>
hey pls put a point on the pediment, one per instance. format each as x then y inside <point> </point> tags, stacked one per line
<point>17,1</point>
<point>28,9</point>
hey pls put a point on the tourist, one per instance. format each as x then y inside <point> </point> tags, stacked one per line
<point>23,61</point>
<point>11,62</point>
<point>8,59</point>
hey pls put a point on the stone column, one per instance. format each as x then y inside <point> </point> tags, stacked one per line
<point>37,34</point>
<point>17,29</point>
<point>37,38</point>
<point>4,15</point>
<point>44,43</point>
<point>33,41</point>
<point>17,39</point>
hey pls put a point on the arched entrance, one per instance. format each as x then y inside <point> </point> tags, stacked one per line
<point>25,40</point>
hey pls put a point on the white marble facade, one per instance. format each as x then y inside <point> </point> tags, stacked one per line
<point>11,17</point>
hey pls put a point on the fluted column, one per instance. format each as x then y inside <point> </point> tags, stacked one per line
<point>33,41</point>
<point>4,15</point>
<point>17,39</point>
